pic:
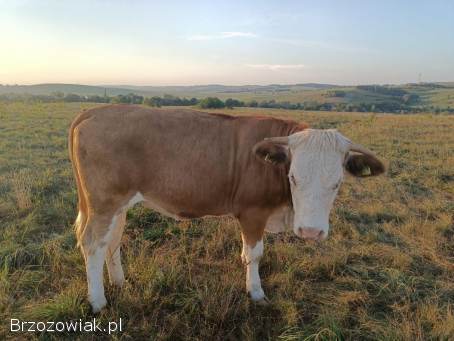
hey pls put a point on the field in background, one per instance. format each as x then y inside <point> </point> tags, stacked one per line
<point>425,96</point>
<point>385,272</point>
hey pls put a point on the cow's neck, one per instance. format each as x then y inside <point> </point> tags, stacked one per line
<point>269,183</point>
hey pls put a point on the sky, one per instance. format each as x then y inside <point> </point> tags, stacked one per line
<point>226,42</point>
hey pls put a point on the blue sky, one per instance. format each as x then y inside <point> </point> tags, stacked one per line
<point>226,42</point>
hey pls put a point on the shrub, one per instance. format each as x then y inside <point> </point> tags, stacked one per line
<point>211,103</point>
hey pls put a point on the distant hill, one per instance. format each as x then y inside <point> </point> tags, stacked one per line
<point>47,89</point>
<point>113,90</point>
<point>371,97</point>
<point>213,88</point>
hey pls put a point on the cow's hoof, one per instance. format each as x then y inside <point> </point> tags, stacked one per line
<point>263,302</point>
<point>117,282</point>
<point>258,296</point>
<point>98,304</point>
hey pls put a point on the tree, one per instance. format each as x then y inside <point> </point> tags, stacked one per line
<point>230,103</point>
<point>211,103</point>
<point>73,98</point>
<point>252,104</point>
<point>58,94</point>
<point>153,101</point>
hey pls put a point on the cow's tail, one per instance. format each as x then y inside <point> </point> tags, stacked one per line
<point>82,216</point>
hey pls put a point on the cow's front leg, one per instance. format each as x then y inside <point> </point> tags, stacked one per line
<point>251,254</point>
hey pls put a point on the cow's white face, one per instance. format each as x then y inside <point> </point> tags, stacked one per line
<point>316,173</point>
<point>317,160</point>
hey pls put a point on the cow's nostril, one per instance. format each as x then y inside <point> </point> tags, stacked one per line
<point>310,233</point>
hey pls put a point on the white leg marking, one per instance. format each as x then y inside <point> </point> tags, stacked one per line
<point>95,262</point>
<point>251,257</point>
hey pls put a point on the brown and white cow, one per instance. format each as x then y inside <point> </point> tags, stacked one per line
<point>269,173</point>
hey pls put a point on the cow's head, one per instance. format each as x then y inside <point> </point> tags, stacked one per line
<point>317,161</point>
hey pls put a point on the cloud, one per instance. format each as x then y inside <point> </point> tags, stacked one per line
<point>321,45</point>
<point>223,35</point>
<point>276,67</point>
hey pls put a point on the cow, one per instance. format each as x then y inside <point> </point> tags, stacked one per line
<point>271,174</point>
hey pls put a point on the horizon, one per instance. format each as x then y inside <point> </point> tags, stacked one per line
<point>227,43</point>
<point>227,85</point>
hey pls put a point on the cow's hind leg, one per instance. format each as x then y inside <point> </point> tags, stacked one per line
<point>94,242</point>
<point>113,258</point>
<point>252,234</point>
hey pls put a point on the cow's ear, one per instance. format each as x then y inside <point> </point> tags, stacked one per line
<point>272,152</point>
<point>363,165</point>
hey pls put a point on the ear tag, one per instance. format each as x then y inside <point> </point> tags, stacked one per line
<point>366,171</point>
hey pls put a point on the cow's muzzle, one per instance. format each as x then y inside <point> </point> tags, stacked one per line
<point>310,233</point>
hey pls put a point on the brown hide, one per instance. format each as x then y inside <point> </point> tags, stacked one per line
<point>188,163</point>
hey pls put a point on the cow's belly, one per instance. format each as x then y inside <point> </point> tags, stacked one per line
<point>166,211</point>
<point>169,209</point>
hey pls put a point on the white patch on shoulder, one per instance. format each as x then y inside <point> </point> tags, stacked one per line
<point>280,220</point>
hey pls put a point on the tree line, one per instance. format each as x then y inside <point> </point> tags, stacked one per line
<point>216,103</point>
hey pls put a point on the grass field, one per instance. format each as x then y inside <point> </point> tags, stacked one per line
<point>385,273</point>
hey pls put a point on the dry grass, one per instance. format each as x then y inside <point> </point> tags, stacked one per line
<point>21,184</point>
<point>386,272</point>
